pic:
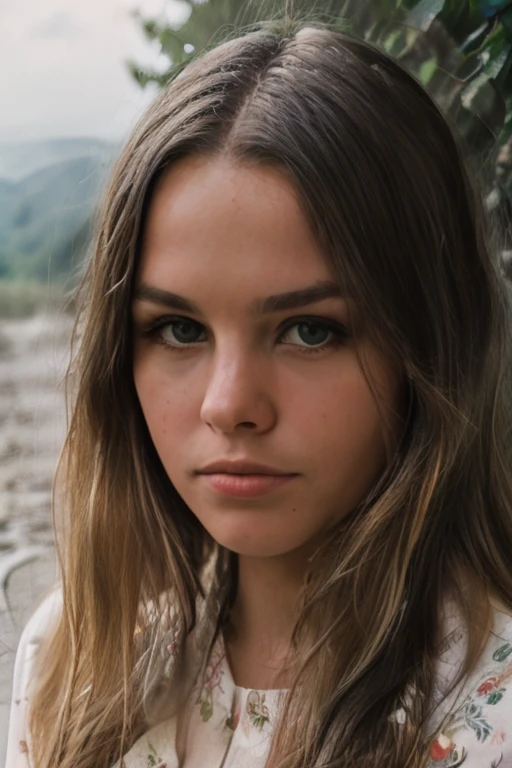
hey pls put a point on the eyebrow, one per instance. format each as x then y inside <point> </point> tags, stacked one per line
<point>276,303</point>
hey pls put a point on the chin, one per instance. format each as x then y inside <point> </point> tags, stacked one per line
<point>255,543</point>
<point>255,549</point>
<point>254,530</point>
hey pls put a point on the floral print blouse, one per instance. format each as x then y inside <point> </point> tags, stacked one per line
<point>227,726</point>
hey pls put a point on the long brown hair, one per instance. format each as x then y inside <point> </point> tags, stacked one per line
<point>385,186</point>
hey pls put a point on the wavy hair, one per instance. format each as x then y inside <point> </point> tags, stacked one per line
<point>384,182</point>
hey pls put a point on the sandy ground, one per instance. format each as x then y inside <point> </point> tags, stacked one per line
<point>33,358</point>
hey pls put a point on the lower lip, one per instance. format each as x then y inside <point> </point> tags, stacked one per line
<point>246,485</point>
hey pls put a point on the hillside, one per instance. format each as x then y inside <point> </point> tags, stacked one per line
<point>21,159</point>
<point>44,217</point>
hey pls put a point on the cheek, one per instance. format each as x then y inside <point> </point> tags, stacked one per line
<point>343,431</point>
<point>335,410</point>
<point>167,405</point>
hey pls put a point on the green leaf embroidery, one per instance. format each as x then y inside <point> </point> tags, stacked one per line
<point>154,761</point>
<point>476,721</point>
<point>259,721</point>
<point>206,709</point>
<point>503,652</point>
<point>495,697</point>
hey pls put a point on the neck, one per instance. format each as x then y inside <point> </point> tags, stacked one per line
<point>263,618</point>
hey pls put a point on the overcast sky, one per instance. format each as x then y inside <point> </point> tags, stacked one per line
<point>62,65</point>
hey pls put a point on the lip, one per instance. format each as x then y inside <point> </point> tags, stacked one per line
<point>245,485</point>
<point>241,467</point>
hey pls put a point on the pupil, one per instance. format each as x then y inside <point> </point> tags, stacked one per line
<point>312,334</point>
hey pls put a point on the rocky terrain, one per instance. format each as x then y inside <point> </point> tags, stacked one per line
<point>33,359</point>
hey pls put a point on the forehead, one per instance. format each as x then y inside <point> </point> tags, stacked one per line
<point>212,223</point>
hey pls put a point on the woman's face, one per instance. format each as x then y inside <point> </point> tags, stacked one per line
<point>243,353</point>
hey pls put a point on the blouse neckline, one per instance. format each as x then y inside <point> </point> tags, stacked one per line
<point>228,674</point>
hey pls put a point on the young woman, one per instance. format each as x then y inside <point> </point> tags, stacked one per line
<point>287,504</point>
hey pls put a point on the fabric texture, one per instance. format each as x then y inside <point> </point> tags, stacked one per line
<point>226,726</point>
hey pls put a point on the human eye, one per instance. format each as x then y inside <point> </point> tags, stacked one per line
<point>177,333</point>
<point>313,335</point>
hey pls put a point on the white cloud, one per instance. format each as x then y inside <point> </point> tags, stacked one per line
<point>60,24</point>
<point>65,71</point>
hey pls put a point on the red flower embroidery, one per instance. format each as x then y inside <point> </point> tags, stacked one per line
<point>487,686</point>
<point>441,747</point>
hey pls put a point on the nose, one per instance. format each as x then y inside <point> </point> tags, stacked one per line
<point>238,393</point>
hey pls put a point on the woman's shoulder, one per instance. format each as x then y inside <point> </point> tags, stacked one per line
<point>37,628</point>
<point>44,614</point>
<point>474,729</point>
<point>33,634</point>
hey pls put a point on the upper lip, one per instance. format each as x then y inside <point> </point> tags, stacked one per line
<point>240,467</point>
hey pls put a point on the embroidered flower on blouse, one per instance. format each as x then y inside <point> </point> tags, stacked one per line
<point>257,710</point>
<point>212,683</point>
<point>499,737</point>
<point>23,747</point>
<point>472,714</point>
<point>170,644</point>
<point>154,761</point>
<point>441,748</point>
<point>444,753</point>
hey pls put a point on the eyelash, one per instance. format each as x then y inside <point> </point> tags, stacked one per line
<point>339,332</point>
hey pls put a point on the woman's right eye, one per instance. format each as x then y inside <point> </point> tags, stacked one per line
<point>178,333</point>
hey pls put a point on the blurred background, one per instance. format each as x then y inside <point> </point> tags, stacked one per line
<point>75,78</point>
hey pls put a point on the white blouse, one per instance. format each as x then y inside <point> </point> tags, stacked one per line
<point>231,727</point>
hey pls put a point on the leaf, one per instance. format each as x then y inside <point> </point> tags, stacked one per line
<point>151,29</point>
<point>390,41</point>
<point>478,129</point>
<point>423,14</point>
<point>506,20</point>
<point>475,39</point>
<point>483,98</point>
<point>504,77</point>
<point>427,71</point>
<point>495,697</point>
<point>503,652</point>
<point>470,68</point>
<point>496,62</point>
<point>206,710</point>
<point>476,721</point>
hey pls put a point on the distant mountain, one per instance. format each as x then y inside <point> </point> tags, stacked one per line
<point>45,217</point>
<point>21,159</point>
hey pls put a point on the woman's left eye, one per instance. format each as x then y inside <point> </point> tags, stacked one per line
<point>315,335</point>
<point>181,332</point>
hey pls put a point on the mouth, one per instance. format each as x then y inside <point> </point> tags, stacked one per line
<point>245,485</point>
<point>242,467</point>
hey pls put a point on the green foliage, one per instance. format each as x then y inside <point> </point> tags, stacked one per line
<point>461,50</point>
